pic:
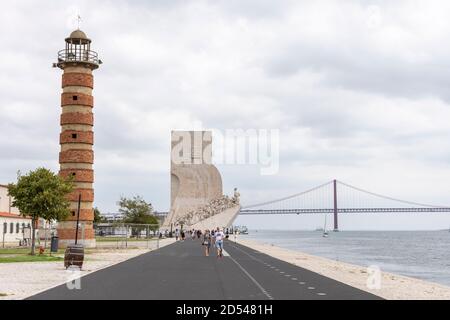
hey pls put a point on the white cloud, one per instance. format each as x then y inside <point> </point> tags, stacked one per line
<point>359,91</point>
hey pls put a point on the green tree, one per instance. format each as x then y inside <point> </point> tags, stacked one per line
<point>41,194</point>
<point>137,210</point>
<point>98,216</point>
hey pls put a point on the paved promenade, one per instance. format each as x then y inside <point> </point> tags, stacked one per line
<point>180,271</point>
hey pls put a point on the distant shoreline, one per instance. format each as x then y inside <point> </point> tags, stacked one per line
<point>350,230</point>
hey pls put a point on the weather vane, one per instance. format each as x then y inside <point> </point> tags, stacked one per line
<point>79,20</point>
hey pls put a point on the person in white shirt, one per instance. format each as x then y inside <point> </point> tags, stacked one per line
<point>219,236</point>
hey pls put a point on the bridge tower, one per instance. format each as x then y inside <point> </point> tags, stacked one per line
<point>76,158</point>
<point>335,207</point>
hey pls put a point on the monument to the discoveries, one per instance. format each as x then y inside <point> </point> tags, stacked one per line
<point>77,136</point>
<point>196,199</point>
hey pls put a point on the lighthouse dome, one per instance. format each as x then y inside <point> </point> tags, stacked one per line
<point>79,37</point>
<point>78,34</point>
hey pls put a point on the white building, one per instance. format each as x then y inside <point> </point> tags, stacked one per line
<point>112,217</point>
<point>6,201</point>
<point>12,225</point>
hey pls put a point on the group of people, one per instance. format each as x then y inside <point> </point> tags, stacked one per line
<point>207,238</point>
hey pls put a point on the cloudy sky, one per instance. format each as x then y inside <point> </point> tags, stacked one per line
<point>358,89</point>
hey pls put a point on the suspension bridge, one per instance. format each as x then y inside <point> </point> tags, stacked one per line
<point>335,197</point>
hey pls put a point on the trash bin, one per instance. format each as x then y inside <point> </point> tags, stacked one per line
<point>74,255</point>
<point>54,244</point>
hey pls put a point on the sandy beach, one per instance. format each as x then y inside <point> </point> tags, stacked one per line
<point>392,286</point>
<point>24,279</point>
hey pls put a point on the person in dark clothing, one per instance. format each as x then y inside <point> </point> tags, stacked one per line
<point>213,238</point>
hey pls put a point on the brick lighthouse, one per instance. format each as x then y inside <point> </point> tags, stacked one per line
<point>76,158</point>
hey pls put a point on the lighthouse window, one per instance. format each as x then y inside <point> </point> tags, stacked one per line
<point>74,135</point>
<point>75,98</point>
<point>73,213</point>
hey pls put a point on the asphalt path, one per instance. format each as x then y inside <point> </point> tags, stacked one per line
<point>180,271</point>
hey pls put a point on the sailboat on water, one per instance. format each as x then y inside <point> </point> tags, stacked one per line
<point>325,232</point>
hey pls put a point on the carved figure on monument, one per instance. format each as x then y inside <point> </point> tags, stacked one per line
<point>236,196</point>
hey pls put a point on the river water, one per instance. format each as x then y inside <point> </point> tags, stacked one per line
<point>419,254</point>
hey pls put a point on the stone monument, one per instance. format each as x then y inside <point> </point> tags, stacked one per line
<point>197,199</point>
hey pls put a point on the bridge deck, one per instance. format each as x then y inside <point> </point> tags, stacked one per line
<point>180,271</point>
<point>344,210</point>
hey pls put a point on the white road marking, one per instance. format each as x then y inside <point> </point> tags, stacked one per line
<point>260,287</point>
<point>225,254</point>
<point>272,267</point>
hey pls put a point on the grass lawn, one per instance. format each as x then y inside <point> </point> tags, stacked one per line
<point>9,255</point>
<point>14,251</point>
<point>29,258</point>
<point>26,250</point>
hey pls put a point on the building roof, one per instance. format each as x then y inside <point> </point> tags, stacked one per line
<point>12,215</point>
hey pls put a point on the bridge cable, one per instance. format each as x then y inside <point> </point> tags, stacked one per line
<point>389,198</point>
<point>286,198</point>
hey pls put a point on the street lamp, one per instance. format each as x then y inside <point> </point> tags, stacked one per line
<point>78,218</point>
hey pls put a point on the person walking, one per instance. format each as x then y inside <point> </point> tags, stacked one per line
<point>206,242</point>
<point>183,235</point>
<point>219,235</point>
<point>213,237</point>
<point>177,234</point>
